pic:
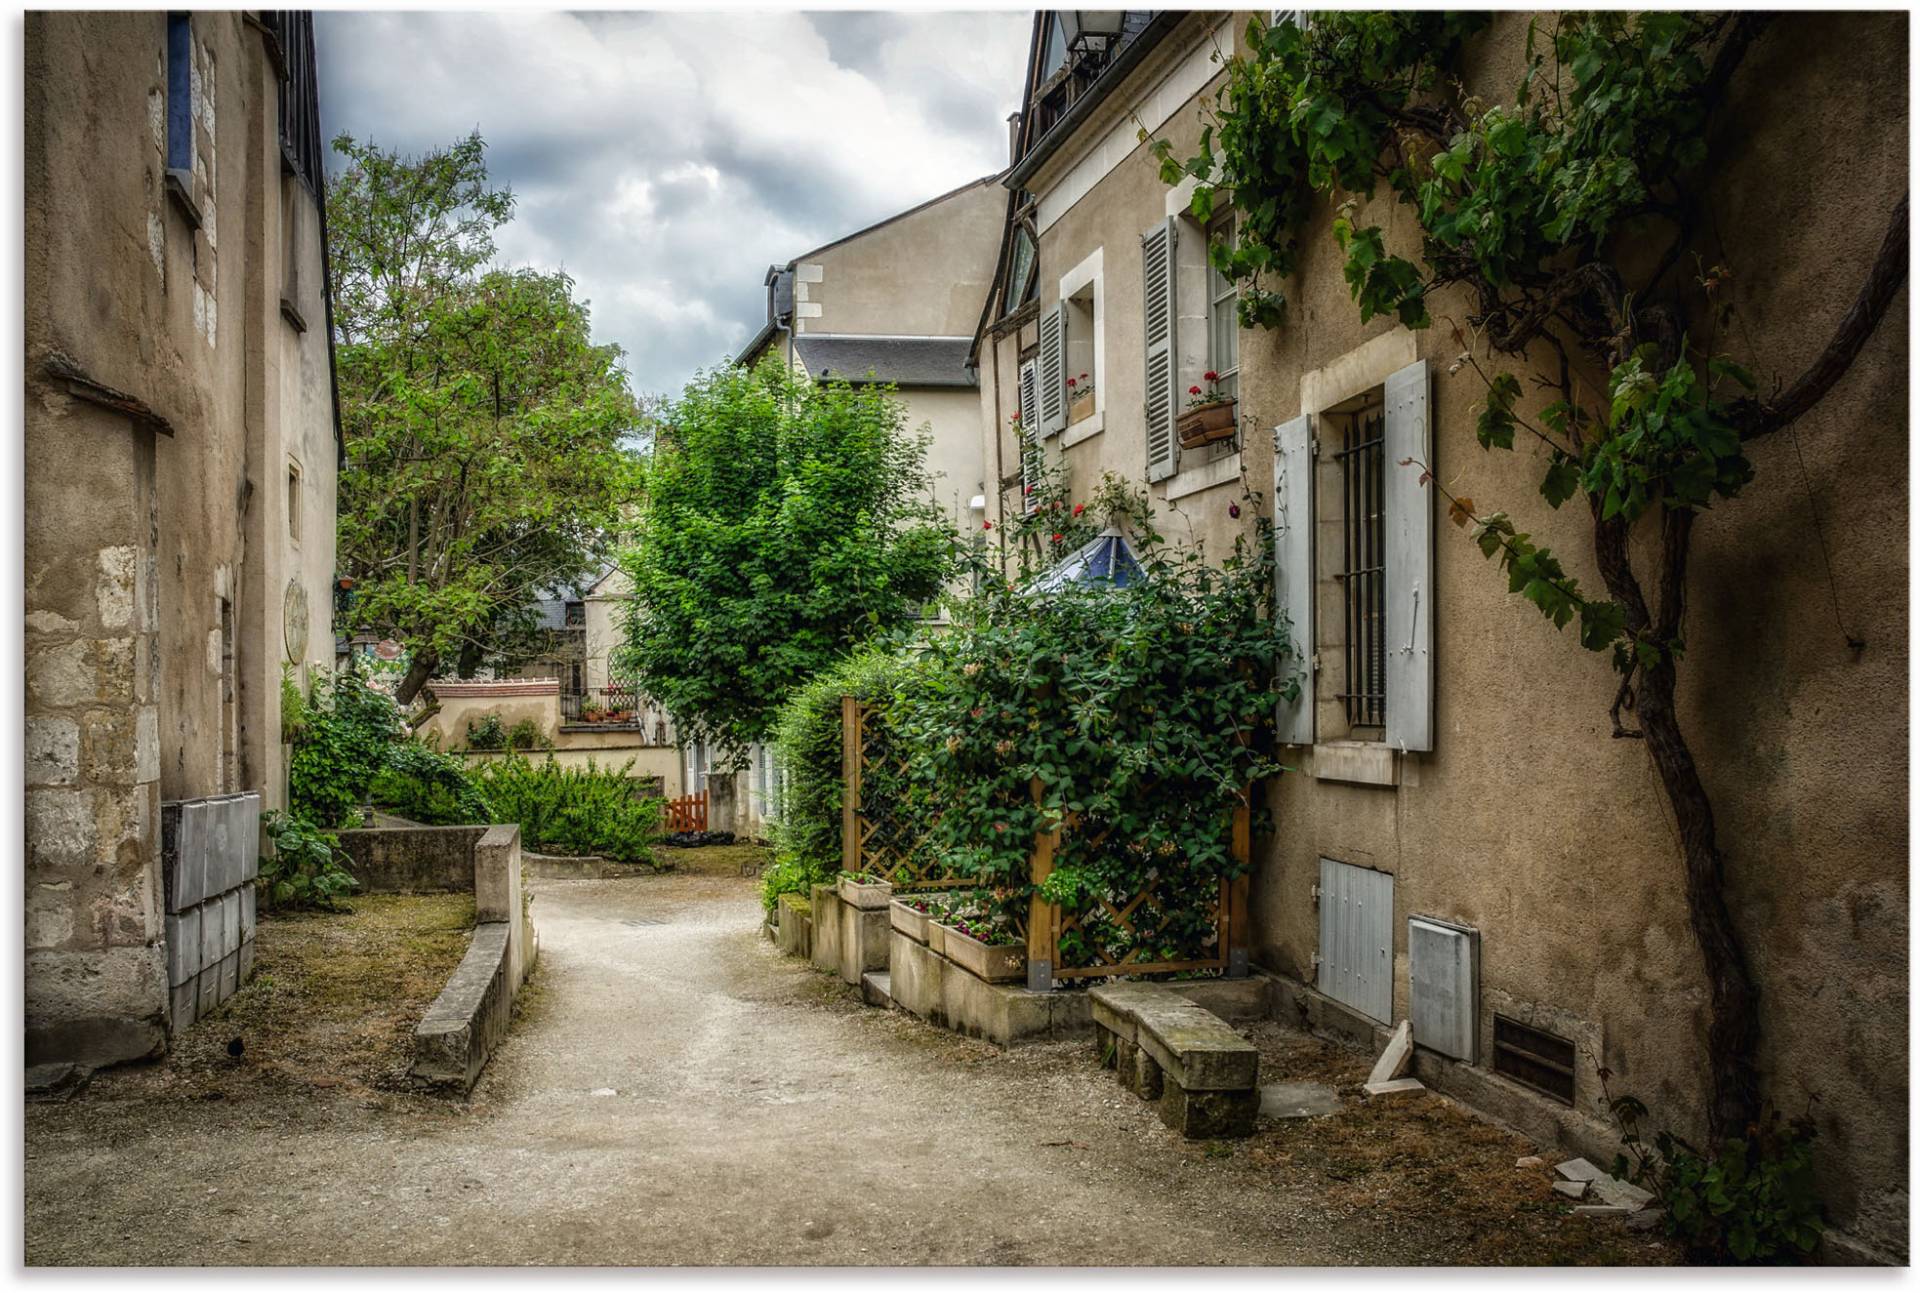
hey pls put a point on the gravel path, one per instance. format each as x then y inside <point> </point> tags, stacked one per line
<point>680,1093</point>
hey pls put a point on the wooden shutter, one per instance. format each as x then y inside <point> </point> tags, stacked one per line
<point>1293,565</point>
<point>1409,554</point>
<point>1053,371</point>
<point>1029,433</point>
<point>1161,315</point>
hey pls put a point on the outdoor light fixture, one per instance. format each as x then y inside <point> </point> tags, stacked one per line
<point>1087,30</point>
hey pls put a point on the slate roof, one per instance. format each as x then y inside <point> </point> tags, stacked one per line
<point>905,361</point>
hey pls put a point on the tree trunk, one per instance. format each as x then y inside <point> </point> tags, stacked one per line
<point>421,669</point>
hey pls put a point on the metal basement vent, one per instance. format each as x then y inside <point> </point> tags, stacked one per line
<point>1533,1058</point>
<point>1443,973</point>
<point>1356,938</point>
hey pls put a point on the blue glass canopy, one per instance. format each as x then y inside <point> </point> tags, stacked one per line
<point>1105,557</point>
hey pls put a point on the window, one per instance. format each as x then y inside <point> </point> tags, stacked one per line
<point>1081,376</point>
<point>1223,316</point>
<point>1021,278</point>
<point>1029,440</point>
<point>576,614</point>
<point>1362,575</point>
<point>180,96</point>
<point>293,501</point>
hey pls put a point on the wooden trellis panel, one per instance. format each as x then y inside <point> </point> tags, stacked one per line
<point>875,836</point>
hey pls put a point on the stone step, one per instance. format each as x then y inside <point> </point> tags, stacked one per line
<point>877,987</point>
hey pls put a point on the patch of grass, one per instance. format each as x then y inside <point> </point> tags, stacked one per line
<point>738,859</point>
<point>334,998</point>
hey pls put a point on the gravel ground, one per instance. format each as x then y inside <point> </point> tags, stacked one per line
<point>676,1092</point>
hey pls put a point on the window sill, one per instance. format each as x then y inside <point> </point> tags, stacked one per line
<point>1208,475</point>
<point>1084,429</point>
<point>179,186</point>
<point>1367,763</point>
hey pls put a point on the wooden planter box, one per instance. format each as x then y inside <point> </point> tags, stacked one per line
<point>994,964</point>
<point>867,897</point>
<point>1207,423</point>
<point>1081,408</point>
<point>908,921</point>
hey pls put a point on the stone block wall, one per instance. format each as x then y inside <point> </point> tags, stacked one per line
<point>209,857</point>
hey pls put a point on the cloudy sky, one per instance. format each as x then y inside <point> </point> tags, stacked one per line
<point>666,159</point>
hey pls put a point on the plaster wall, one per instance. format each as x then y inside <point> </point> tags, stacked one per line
<point>923,274</point>
<point>1528,821</point>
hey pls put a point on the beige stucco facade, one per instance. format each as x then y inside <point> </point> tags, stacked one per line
<point>1526,821</point>
<point>180,471</point>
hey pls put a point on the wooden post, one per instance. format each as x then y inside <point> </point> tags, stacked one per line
<point>1237,888</point>
<point>1042,916</point>
<point>850,744</point>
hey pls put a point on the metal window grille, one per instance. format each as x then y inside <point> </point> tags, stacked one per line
<point>1363,566</point>
<point>1533,1058</point>
<point>302,149</point>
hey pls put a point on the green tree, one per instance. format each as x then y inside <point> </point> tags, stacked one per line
<point>1562,223</point>
<point>783,523</point>
<point>483,427</point>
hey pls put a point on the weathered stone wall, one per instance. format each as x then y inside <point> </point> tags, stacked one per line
<point>165,395</point>
<point>412,859</point>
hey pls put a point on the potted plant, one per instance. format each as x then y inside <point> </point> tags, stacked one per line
<point>864,890</point>
<point>983,949</point>
<point>1210,414</point>
<point>590,713</point>
<point>1079,397</point>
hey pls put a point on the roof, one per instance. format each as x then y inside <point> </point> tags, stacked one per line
<point>904,361</point>
<point>1106,558</point>
<point>1142,30</point>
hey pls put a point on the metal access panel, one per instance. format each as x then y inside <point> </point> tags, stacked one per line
<point>1443,980</point>
<point>1356,938</point>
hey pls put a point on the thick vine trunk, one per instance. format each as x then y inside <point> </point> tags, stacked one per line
<point>1733,1032</point>
<point>421,669</point>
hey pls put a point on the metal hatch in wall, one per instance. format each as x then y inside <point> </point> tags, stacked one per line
<point>1356,938</point>
<point>1443,985</point>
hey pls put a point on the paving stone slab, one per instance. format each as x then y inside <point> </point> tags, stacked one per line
<point>1398,1086</point>
<point>1572,1189</point>
<point>1397,1056</point>
<point>1298,1100</point>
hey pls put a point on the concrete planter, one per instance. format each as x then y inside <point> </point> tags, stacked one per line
<point>908,921</point>
<point>1081,408</point>
<point>1207,423</point>
<point>866,897</point>
<point>936,938</point>
<point>994,964</point>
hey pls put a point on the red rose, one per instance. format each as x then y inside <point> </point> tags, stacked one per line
<point>1212,377</point>
<point>1079,508</point>
<point>1058,537</point>
<point>986,525</point>
<point>1233,510</point>
<point>1029,489</point>
<point>1193,390</point>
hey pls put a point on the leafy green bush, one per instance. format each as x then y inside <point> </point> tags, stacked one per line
<point>589,810</point>
<point>525,735</point>
<point>429,787</point>
<point>302,869</point>
<point>487,734</point>
<point>1754,1201</point>
<point>342,744</point>
<point>806,735</point>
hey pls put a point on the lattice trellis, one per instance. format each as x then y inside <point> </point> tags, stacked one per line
<point>876,834</point>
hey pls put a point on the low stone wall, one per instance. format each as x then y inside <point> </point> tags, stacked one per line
<point>469,1019</point>
<point>846,940</point>
<point>412,859</point>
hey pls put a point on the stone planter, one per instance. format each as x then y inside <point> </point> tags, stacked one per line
<point>936,938</point>
<point>908,921</point>
<point>1080,409</point>
<point>1207,423</point>
<point>994,964</point>
<point>867,897</point>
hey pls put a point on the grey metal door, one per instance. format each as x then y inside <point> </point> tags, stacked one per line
<point>1356,938</point>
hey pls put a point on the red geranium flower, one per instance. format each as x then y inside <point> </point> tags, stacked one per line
<point>1212,377</point>
<point>1193,390</point>
<point>1071,382</point>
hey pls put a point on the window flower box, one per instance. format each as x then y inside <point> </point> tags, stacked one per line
<point>865,892</point>
<point>1081,408</point>
<point>1205,423</point>
<point>996,963</point>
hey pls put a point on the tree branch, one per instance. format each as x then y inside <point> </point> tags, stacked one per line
<point>1760,417</point>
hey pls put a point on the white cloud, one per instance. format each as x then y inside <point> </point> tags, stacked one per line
<point>666,159</point>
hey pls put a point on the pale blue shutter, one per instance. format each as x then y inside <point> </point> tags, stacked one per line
<point>1409,554</point>
<point>1161,316</point>
<point>1053,371</point>
<point>1293,566</point>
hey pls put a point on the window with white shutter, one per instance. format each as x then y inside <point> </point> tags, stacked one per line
<point>1160,314</point>
<point>1052,371</point>
<point>1293,571</point>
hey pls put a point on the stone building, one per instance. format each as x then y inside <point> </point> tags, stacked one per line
<point>1475,802</point>
<point>182,446</point>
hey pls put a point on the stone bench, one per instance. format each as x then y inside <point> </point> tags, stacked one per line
<point>1205,1076</point>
